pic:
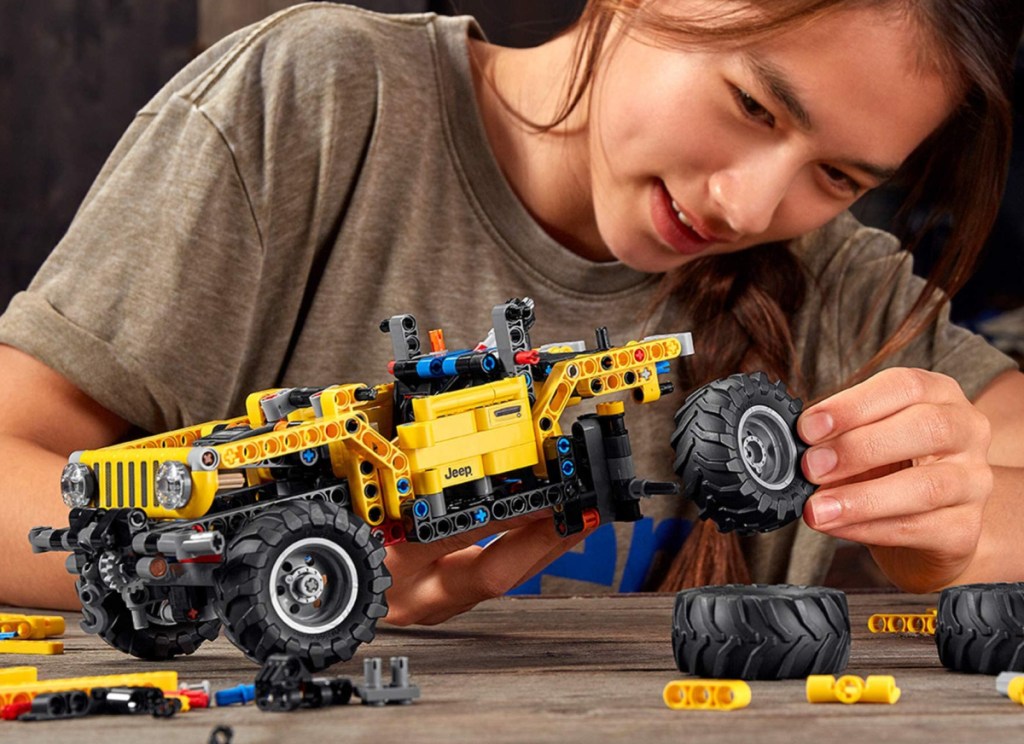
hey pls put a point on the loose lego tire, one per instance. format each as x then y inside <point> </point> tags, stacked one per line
<point>748,632</point>
<point>738,454</point>
<point>104,613</point>
<point>257,585</point>
<point>980,628</point>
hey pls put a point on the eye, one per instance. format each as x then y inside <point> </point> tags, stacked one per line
<point>752,108</point>
<point>841,181</point>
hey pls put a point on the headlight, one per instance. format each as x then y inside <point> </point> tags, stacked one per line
<point>77,485</point>
<point>173,485</point>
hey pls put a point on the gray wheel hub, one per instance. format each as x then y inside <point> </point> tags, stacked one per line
<point>767,447</point>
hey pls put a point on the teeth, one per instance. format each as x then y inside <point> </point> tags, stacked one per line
<point>680,215</point>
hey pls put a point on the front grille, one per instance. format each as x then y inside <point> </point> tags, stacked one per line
<point>125,484</point>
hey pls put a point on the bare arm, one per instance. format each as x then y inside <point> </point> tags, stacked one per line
<point>45,418</point>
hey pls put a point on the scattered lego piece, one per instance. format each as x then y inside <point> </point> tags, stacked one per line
<point>133,701</point>
<point>32,627</point>
<point>222,735</point>
<point>1011,684</point>
<point>28,689</point>
<point>54,706</point>
<point>373,692</point>
<point>760,631</point>
<point>284,684</point>
<point>980,628</point>
<point>706,694</point>
<point>849,689</point>
<point>239,695</point>
<point>203,686</point>
<point>36,648</point>
<point>191,698</point>
<point>12,711</point>
<point>919,623</point>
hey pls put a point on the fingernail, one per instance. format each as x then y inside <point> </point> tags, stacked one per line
<point>816,426</point>
<point>821,461</point>
<point>825,509</point>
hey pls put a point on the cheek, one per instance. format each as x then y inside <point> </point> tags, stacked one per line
<point>648,121</point>
<point>803,210</point>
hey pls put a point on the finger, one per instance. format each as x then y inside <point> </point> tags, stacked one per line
<point>911,491</point>
<point>457,581</point>
<point>879,396</point>
<point>920,431</point>
<point>441,614</point>
<point>567,544</point>
<point>430,552</point>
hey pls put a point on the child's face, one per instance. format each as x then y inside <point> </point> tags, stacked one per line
<point>743,164</point>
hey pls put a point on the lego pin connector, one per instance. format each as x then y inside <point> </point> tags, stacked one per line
<point>849,689</point>
<point>1011,684</point>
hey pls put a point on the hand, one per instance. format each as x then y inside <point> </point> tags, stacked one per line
<point>902,460</point>
<point>435,581</point>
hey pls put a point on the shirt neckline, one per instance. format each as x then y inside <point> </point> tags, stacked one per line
<point>485,185</point>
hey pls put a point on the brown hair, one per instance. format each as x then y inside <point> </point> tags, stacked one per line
<point>747,300</point>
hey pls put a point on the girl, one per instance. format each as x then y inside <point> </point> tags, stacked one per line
<point>662,165</point>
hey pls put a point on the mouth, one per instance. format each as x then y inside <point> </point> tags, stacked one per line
<point>680,215</point>
<point>675,228</point>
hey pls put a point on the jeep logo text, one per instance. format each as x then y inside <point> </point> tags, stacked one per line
<point>458,472</point>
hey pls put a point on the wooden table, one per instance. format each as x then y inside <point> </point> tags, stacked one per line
<point>560,670</point>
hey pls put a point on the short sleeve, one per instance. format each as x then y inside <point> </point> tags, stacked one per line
<point>181,283</point>
<point>874,290</point>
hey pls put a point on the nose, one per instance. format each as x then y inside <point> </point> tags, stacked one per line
<point>748,195</point>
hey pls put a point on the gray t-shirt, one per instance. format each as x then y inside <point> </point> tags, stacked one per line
<point>328,168</point>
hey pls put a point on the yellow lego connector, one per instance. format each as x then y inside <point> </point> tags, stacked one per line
<point>706,694</point>
<point>849,689</point>
<point>32,627</point>
<point>26,691</point>
<point>919,623</point>
<point>36,648</point>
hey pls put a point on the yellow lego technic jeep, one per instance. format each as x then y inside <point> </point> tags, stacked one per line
<point>274,524</point>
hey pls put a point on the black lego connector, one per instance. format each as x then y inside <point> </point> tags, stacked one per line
<point>53,706</point>
<point>285,684</point>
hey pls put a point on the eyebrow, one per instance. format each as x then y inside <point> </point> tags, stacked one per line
<point>775,82</point>
<point>778,86</point>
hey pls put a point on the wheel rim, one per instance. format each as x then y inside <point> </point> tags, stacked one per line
<point>313,585</point>
<point>766,447</point>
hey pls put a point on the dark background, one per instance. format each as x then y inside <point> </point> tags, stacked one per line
<point>73,73</point>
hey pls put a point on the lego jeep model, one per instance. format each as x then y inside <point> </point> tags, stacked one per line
<point>274,524</point>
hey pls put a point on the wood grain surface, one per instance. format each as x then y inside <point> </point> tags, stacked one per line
<point>554,670</point>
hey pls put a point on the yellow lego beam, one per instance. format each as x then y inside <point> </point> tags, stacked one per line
<point>16,693</point>
<point>706,694</point>
<point>38,648</point>
<point>920,623</point>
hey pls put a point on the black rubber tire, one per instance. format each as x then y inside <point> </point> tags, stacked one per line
<point>245,584</point>
<point>105,613</point>
<point>980,628</point>
<point>725,432</point>
<point>741,631</point>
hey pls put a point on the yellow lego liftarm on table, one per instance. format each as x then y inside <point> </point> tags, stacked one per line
<point>30,632</point>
